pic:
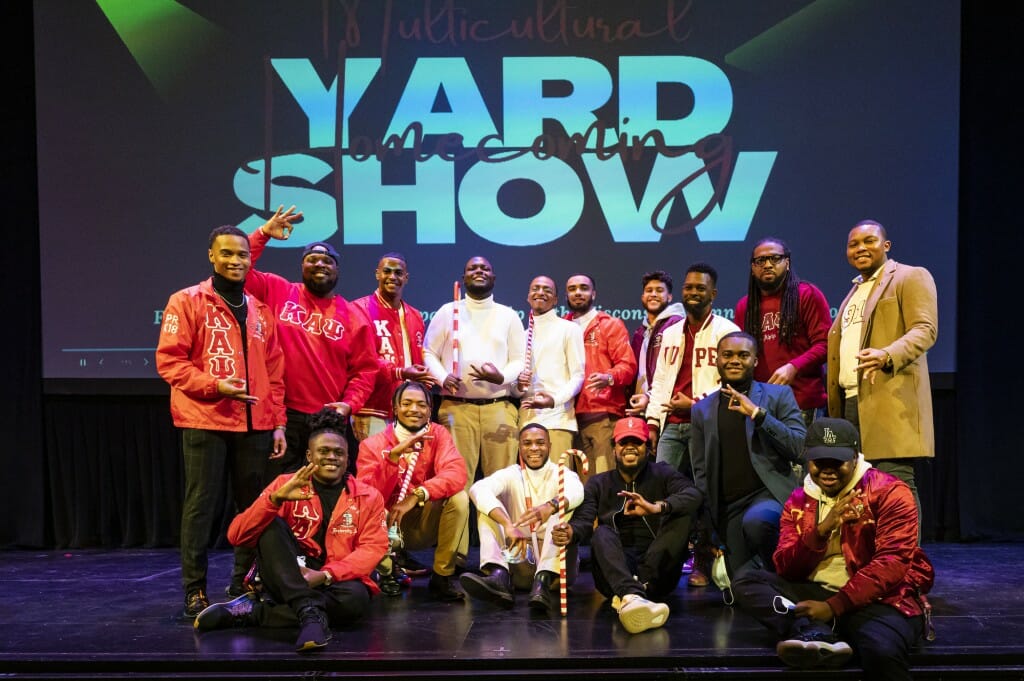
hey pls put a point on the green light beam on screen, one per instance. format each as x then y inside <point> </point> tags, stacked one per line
<point>784,38</point>
<point>167,40</point>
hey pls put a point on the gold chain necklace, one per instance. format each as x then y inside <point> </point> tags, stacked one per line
<point>230,304</point>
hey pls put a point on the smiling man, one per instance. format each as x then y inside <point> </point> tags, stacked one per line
<point>517,510</point>
<point>744,441</point>
<point>849,567</point>
<point>331,522</point>
<point>878,355</point>
<point>417,458</point>
<point>686,370</point>
<point>399,331</point>
<point>660,313</point>
<point>475,404</point>
<point>328,342</point>
<point>636,517</point>
<point>220,352</point>
<point>552,379</point>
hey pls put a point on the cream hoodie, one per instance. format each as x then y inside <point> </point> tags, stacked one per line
<point>831,571</point>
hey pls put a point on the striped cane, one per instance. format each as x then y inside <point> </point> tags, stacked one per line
<point>455,333</point>
<point>395,533</point>
<point>563,512</point>
<point>528,356</point>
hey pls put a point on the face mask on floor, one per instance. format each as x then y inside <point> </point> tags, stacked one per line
<point>720,576</point>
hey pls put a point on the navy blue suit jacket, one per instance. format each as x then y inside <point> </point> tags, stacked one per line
<point>774,446</point>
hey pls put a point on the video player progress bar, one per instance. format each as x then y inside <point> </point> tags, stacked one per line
<point>108,350</point>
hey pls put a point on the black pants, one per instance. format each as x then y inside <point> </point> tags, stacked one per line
<point>344,602</point>
<point>211,457</point>
<point>658,563</point>
<point>879,634</point>
<point>751,526</point>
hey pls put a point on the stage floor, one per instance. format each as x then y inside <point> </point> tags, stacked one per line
<point>116,613</point>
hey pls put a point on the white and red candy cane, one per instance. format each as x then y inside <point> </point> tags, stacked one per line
<point>528,356</point>
<point>563,511</point>
<point>455,332</point>
<point>409,468</point>
<point>403,491</point>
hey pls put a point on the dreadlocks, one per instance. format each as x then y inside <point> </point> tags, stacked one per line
<point>789,306</point>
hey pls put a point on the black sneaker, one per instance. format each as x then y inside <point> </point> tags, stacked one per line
<point>236,613</point>
<point>195,602</point>
<point>313,630</point>
<point>813,649</point>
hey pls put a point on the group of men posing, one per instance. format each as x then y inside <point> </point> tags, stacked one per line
<point>695,433</point>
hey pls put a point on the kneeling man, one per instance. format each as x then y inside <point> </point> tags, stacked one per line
<point>319,533</point>
<point>517,509</point>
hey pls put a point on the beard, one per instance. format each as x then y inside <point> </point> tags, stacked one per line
<point>320,288</point>
<point>582,308</point>
<point>479,290</point>
<point>629,470</point>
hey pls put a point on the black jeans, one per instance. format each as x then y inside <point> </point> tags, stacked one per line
<point>210,456</point>
<point>659,563</point>
<point>751,531</point>
<point>879,634</point>
<point>344,601</point>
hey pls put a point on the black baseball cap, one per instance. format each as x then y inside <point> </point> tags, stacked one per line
<point>322,247</point>
<point>831,439</point>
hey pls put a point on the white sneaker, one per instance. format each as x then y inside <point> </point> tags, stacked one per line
<point>639,614</point>
<point>807,651</point>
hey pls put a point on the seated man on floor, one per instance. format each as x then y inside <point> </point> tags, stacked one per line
<point>415,466</point>
<point>643,512</point>
<point>849,559</point>
<point>517,507</point>
<point>315,574</point>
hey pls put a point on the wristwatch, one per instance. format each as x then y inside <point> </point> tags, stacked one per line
<point>421,495</point>
<point>328,579</point>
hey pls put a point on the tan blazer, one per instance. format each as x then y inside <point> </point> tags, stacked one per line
<point>900,317</point>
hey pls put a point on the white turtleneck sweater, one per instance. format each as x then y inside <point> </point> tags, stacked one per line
<point>488,332</point>
<point>557,362</point>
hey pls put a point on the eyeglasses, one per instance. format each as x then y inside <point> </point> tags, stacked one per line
<point>774,259</point>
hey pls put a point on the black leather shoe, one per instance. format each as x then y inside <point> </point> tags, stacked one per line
<point>540,595</point>
<point>389,585</point>
<point>195,602</point>
<point>440,587</point>
<point>495,587</point>
<point>236,613</point>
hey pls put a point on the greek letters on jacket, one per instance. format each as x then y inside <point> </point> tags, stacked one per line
<point>314,323</point>
<point>388,349</point>
<point>221,355</point>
